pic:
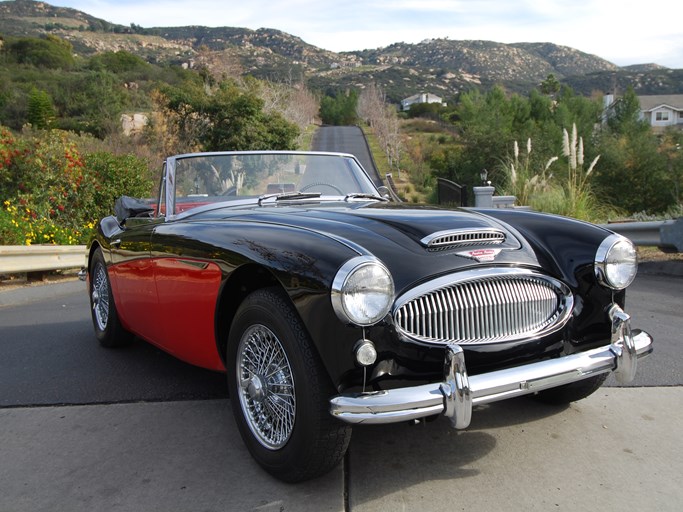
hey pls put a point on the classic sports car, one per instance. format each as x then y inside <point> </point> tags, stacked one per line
<point>327,305</point>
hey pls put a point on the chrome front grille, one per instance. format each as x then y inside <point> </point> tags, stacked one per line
<point>483,307</point>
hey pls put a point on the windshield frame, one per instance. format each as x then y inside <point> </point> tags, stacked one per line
<point>169,182</point>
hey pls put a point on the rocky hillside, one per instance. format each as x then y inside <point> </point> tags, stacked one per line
<point>441,66</point>
<point>490,61</point>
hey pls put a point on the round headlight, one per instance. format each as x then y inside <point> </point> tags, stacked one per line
<point>362,291</point>
<point>616,262</point>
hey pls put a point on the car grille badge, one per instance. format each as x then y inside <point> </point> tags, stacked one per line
<point>480,255</point>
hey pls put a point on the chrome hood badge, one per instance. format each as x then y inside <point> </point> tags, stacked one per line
<point>480,255</point>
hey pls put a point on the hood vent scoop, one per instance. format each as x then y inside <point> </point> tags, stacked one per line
<point>463,237</point>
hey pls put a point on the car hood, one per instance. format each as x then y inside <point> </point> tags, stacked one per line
<point>395,233</point>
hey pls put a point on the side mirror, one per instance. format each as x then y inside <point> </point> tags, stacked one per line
<point>384,191</point>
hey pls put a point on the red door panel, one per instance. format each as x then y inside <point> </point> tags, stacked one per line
<point>187,291</point>
<point>136,298</point>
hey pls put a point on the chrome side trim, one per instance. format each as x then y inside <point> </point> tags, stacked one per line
<point>458,393</point>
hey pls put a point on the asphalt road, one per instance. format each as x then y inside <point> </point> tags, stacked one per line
<point>149,438</point>
<point>347,139</point>
<point>49,355</point>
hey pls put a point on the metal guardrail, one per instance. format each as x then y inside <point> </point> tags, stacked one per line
<point>16,259</point>
<point>667,234</point>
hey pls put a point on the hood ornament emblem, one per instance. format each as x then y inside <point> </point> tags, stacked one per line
<point>480,255</point>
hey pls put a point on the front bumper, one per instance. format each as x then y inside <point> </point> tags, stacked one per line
<point>458,393</point>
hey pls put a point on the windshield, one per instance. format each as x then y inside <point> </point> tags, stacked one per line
<point>209,177</point>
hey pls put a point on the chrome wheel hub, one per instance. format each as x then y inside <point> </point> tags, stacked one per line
<point>266,387</point>
<point>255,389</point>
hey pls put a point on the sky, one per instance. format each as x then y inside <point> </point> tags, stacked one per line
<point>622,31</point>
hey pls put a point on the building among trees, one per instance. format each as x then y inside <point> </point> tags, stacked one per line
<point>421,98</point>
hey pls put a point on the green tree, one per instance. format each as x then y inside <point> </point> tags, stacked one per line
<point>118,62</point>
<point>633,173</point>
<point>671,146</point>
<point>339,109</point>
<point>485,122</point>
<point>51,52</point>
<point>41,111</point>
<point>426,110</point>
<point>93,104</point>
<point>226,118</point>
<point>625,119</point>
<point>550,86</point>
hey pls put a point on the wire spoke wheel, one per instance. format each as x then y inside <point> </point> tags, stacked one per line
<point>266,387</point>
<point>105,318</point>
<point>100,297</point>
<point>280,390</point>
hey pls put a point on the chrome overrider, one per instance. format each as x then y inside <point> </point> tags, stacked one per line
<point>458,393</point>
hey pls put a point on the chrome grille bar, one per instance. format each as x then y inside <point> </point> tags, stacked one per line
<point>484,308</point>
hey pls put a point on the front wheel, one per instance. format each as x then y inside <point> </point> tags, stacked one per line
<point>280,391</point>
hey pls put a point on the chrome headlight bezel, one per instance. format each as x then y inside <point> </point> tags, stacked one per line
<point>362,282</point>
<point>616,262</point>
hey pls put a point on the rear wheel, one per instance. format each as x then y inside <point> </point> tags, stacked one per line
<point>572,392</point>
<point>105,319</point>
<point>280,391</point>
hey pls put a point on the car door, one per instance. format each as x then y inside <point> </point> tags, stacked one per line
<point>132,277</point>
<point>187,287</point>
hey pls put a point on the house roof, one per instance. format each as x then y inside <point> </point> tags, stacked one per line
<point>417,97</point>
<point>649,103</point>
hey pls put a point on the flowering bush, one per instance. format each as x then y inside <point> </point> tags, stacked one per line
<point>52,193</point>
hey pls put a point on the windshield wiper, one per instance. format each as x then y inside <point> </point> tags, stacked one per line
<point>362,195</point>
<point>289,196</point>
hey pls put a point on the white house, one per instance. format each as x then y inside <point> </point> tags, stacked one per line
<point>662,110</point>
<point>421,98</point>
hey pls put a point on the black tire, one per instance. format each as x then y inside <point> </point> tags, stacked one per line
<point>280,391</point>
<point>571,392</point>
<point>108,329</point>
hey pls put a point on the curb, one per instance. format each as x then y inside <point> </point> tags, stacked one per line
<point>661,268</point>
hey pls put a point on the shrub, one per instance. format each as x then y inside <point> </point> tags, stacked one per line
<point>53,193</point>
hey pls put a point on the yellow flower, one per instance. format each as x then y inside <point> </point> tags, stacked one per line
<point>7,203</point>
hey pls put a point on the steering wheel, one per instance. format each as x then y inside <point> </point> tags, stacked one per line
<point>321,184</point>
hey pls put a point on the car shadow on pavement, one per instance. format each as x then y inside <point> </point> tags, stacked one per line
<point>426,453</point>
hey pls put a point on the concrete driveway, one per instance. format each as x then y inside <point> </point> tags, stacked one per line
<point>620,449</point>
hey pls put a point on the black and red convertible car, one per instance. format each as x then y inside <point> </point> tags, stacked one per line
<point>327,305</point>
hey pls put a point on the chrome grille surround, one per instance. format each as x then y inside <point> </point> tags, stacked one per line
<point>483,306</point>
<point>460,237</point>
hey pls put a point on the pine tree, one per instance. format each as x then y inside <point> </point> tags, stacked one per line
<point>41,112</point>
